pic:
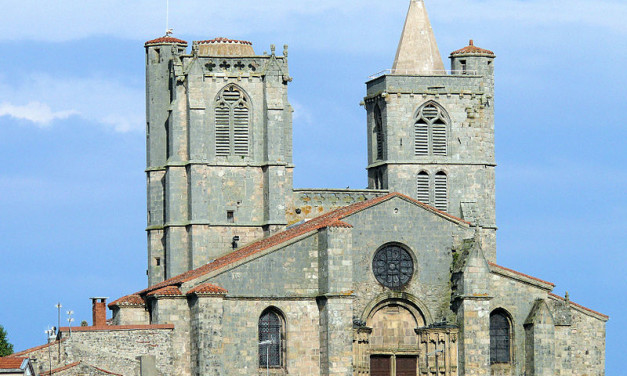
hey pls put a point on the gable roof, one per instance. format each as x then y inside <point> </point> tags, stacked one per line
<point>330,219</point>
<point>520,276</point>
<point>581,308</point>
<point>11,363</point>
<point>32,349</point>
<point>76,364</point>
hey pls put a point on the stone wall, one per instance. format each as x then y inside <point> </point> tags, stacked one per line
<point>310,203</point>
<point>117,349</point>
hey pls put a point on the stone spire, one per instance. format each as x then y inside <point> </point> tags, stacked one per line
<point>417,50</point>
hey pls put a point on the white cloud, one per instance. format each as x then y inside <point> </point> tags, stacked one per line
<point>96,100</point>
<point>36,112</point>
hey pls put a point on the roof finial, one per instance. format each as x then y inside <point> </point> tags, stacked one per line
<point>471,43</point>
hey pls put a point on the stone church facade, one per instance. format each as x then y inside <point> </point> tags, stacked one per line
<point>249,276</point>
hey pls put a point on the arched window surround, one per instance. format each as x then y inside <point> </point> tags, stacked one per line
<point>431,130</point>
<point>271,326</point>
<point>501,337</point>
<point>232,121</point>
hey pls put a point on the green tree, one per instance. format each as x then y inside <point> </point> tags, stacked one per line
<point>5,347</point>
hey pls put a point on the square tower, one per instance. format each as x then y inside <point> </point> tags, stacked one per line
<point>431,132</point>
<point>219,150</point>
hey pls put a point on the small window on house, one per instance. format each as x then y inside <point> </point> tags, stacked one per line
<point>232,121</point>
<point>378,130</point>
<point>431,131</point>
<point>500,329</point>
<point>230,216</point>
<point>271,337</point>
<point>158,261</point>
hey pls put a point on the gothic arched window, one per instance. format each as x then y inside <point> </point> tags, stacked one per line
<point>271,335</point>
<point>378,130</point>
<point>232,122</point>
<point>433,192</point>
<point>423,187</point>
<point>500,329</point>
<point>440,200</point>
<point>431,131</point>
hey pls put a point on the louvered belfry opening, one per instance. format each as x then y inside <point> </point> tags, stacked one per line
<point>423,187</point>
<point>441,191</point>
<point>499,338</point>
<point>270,329</point>
<point>232,122</point>
<point>378,129</point>
<point>431,131</point>
<point>433,193</point>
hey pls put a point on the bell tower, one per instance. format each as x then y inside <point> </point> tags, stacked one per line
<point>219,150</point>
<point>431,132</point>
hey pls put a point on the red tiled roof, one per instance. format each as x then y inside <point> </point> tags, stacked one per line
<point>112,328</point>
<point>471,49</point>
<point>326,220</point>
<point>579,306</point>
<point>105,371</point>
<point>11,362</point>
<point>66,367</point>
<point>165,40</point>
<point>166,291</point>
<point>207,289</point>
<point>224,40</point>
<point>28,351</point>
<point>128,300</point>
<point>521,274</point>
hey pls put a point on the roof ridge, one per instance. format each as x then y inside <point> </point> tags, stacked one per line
<point>521,274</point>
<point>62,368</point>
<point>332,218</point>
<point>579,305</point>
<point>28,351</point>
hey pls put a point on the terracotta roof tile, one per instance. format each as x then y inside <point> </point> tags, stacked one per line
<point>129,300</point>
<point>56,370</point>
<point>166,291</point>
<point>113,328</point>
<point>224,40</point>
<point>471,49</point>
<point>521,274</point>
<point>165,40</point>
<point>28,351</point>
<point>326,220</point>
<point>207,289</point>
<point>11,362</point>
<point>580,306</point>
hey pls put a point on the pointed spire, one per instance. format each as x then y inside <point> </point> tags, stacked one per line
<point>417,50</point>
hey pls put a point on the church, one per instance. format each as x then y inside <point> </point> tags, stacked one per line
<point>249,276</point>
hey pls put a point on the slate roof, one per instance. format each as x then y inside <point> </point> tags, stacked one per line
<point>330,219</point>
<point>471,49</point>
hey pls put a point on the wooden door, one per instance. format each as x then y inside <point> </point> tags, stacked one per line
<point>381,365</point>
<point>406,366</point>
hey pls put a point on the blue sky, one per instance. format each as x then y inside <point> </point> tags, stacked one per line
<point>72,186</point>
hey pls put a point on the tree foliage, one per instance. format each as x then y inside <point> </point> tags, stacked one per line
<point>5,347</point>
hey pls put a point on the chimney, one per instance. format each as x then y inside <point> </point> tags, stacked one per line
<point>99,311</point>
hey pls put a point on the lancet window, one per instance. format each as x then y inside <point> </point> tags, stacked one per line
<point>378,130</point>
<point>500,329</point>
<point>431,131</point>
<point>271,335</point>
<point>434,191</point>
<point>232,122</point>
